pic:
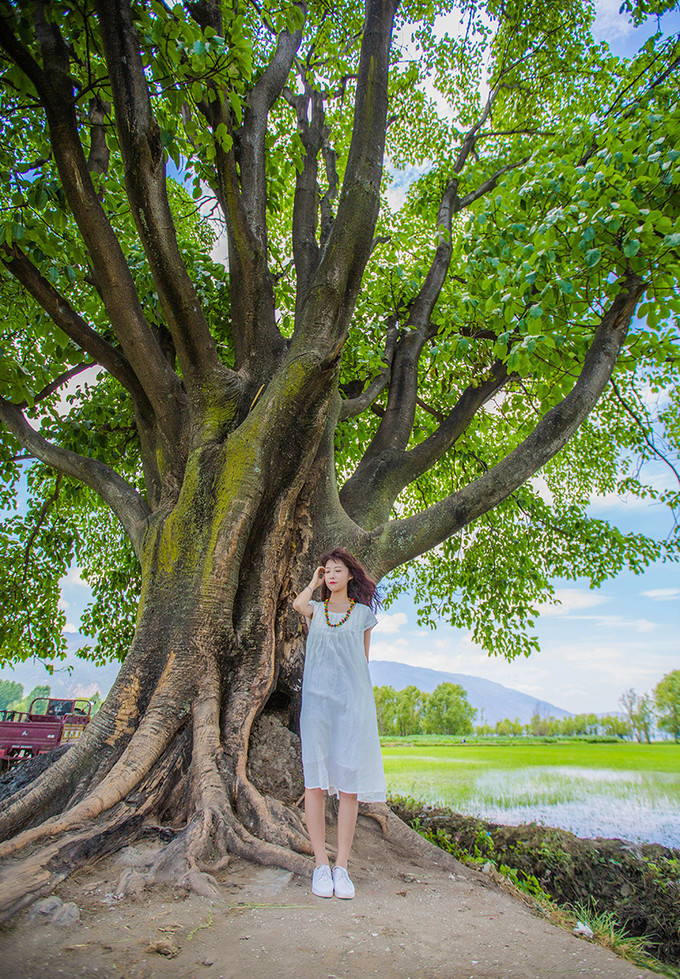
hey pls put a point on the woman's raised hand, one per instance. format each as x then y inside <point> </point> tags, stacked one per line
<point>318,578</point>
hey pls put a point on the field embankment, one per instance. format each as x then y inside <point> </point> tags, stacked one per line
<point>637,883</point>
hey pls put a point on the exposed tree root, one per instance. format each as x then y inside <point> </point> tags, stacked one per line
<point>405,839</point>
<point>24,881</point>
<point>142,753</point>
<point>203,770</point>
<point>271,820</point>
<point>39,869</point>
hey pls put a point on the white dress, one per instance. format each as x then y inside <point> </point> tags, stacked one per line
<point>338,726</point>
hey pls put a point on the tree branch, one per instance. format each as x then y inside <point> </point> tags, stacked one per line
<point>44,510</point>
<point>369,493</point>
<point>242,192</point>
<point>109,357</point>
<point>145,179</point>
<point>488,185</point>
<point>58,382</point>
<point>54,86</point>
<point>124,500</point>
<point>351,407</point>
<point>424,455</point>
<point>306,201</point>
<point>330,159</point>
<point>396,426</point>
<point>326,313</point>
<point>252,135</point>
<point>399,541</point>
<point>72,323</point>
<point>98,158</point>
<point>640,424</point>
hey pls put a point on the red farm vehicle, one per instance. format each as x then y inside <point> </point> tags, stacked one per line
<point>24,734</point>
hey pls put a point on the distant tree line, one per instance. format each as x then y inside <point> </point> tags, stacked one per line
<point>446,710</point>
<point>12,697</point>
<point>583,725</point>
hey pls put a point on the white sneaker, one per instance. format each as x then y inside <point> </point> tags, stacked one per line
<point>322,881</point>
<point>342,885</point>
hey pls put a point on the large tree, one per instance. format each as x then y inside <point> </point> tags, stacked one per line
<point>386,376</point>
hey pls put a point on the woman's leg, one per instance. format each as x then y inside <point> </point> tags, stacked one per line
<point>347,819</point>
<point>315,816</point>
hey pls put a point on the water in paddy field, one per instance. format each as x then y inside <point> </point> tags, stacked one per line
<point>643,807</point>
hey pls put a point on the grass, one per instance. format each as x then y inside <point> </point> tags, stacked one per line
<point>608,932</point>
<point>602,780</point>
<point>658,757</point>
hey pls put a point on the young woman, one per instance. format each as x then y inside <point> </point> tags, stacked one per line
<point>338,727</point>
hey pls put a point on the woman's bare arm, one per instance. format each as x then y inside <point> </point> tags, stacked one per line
<point>301,603</point>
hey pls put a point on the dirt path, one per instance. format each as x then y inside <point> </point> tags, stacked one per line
<point>407,920</point>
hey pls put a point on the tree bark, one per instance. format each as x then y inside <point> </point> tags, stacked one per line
<point>216,644</point>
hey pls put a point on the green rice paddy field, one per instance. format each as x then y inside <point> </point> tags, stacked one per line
<point>629,791</point>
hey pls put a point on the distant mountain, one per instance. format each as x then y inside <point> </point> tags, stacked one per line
<point>75,677</point>
<point>493,701</point>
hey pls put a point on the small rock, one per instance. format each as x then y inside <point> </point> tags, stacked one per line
<point>201,883</point>
<point>131,883</point>
<point>208,962</point>
<point>110,898</point>
<point>66,915</point>
<point>46,908</point>
<point>486,869</point>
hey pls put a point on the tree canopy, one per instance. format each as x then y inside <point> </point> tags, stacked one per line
<point>543,201</point>
<point>446,710</point>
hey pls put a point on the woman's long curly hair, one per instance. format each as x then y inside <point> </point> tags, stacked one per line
<point>360,587</point>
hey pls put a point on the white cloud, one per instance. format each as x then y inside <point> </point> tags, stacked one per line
<point>220,250</point>
<point>618,622</point>
<point>74,578</point>
<point>540,485</point>
<point>390,623</point>
<point>70,627</point>
<point>662,594</point>
<point>609,24</point>
<point>63,604</point>
<point>601,504</point>
<point>87,690</point>
<point>401,181</point>
<point>644,625</point>
<point>572,599</point>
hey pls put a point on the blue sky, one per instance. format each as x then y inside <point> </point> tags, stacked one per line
<point>594,645</point>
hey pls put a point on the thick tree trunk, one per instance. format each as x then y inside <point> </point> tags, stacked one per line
<point>217,647</point>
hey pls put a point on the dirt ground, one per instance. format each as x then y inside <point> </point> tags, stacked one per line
<point>408,921</point>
